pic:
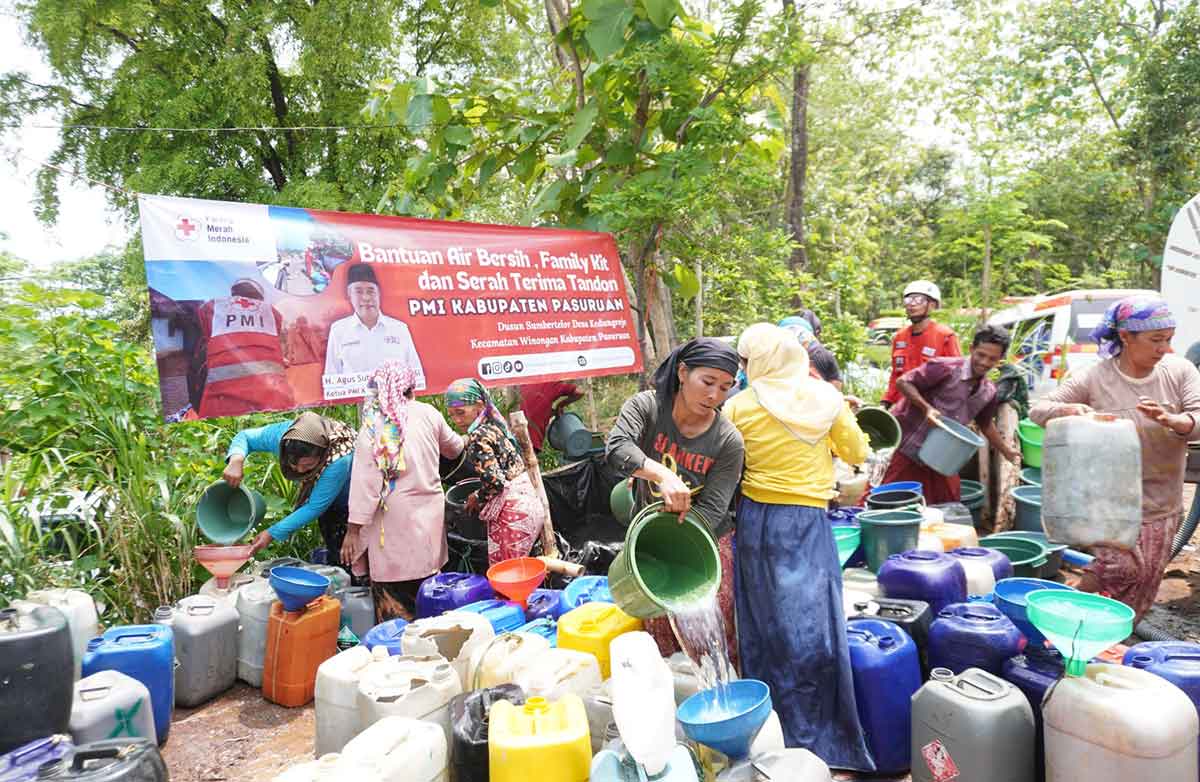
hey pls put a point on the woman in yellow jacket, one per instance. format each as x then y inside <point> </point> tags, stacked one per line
<point>791,625</point>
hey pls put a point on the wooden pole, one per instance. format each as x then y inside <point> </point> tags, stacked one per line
<point>1008,474</point>
<point>520,429</point>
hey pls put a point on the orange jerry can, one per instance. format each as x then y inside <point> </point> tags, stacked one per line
<point>297,643</point>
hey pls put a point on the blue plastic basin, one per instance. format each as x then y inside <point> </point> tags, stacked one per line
<point>1010,596</point>
<point>297,587</point>
<point>727,717</point>
<point>898,486</point>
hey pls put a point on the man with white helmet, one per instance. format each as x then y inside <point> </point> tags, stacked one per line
<point>922,340</point>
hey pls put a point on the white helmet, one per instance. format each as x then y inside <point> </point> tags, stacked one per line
<point>925,288</point>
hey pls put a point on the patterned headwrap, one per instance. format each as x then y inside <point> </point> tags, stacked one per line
<point>333,437</point>
<point>1137,313</point>
<point>389,411</point>
<point>469,391</point>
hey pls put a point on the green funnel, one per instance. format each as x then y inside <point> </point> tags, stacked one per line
<point>1078,624</point>
<point>225,514</point>
<point>665,564</point>
<point>847,540</point>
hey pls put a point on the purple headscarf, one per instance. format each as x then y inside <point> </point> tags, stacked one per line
<point>1137,313</point>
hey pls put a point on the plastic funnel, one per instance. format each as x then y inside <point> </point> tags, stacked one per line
<point>222,561</point>
<point>517,578</point>
<point>727,717</point>
<point>1079,624</point>
<point>297,587</point>
<point>225,514</point>
<point>1010,599</point>
<point>847,540</point>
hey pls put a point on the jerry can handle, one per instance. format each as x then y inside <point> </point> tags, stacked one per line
<point>84,755</point>
<point>1108,680</point>
<point>980,680</point>
<point>84,694</point>
<point>204,609</point>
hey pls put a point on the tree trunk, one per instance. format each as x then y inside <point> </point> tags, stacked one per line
<point>699,298</point>
<point>986,282</point>
<point>637,298</point>
<point>657,314</point>
<point>798,174</point>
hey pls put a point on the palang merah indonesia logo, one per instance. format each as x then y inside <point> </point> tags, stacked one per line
<point>188,229</point>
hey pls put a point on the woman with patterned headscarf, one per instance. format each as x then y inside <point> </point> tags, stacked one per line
<point>1142,381</point>
<point>506,501</point>
<point>315,452</point>
<point>396,530</point>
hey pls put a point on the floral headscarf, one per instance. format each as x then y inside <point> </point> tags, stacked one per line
<point>392,383</point>
<point>1137,313</point>
<point>469,391</point>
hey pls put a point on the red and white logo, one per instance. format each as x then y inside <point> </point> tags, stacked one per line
<point>938,759</point>
<point>187,229</point>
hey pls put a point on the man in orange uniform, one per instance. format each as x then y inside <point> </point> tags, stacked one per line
<point>242,354</point>
<point>924,339</point>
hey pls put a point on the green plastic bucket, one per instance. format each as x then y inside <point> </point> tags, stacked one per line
<point>881,427</point>
<point>1031,476</point>
<point>620,502</point>
<point>665,564</point>
<point>949,446</point>
<point>1030,435</point>
<point>1028,557</point>
<point>887,532</point>
<point>225,514</point>
<point>568,434</point>
<point>1029,508</point>
<point>972,497</point>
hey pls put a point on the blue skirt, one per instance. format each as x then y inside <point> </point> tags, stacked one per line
<point>792,628</point>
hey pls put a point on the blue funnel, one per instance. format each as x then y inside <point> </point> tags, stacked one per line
<point>727,717</point>
<point>297,587</point>
<point>1010,597</point>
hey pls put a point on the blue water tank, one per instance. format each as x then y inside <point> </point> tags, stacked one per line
<point>504,615</point>
<point>386,634</point>
<point>544,603</point>
<point>142,652</point>
<point>973,635</point>
<point>1033,673</point>
<point>585,589</point>
<point>883,659</point>
<point>444,592</point>
<point>545,627</point>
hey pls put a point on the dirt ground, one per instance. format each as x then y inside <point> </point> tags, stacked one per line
<point>241,736</point>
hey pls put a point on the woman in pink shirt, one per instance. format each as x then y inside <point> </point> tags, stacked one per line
<point>396,531</point>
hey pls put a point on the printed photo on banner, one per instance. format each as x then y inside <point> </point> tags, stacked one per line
<point>258,308</point>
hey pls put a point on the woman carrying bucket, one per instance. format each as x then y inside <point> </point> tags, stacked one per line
<point>396,527</point>
<point>315,452</point>
<point>1141,381</point>
<point>506,501</point>
<point>791,623</point>
<point>674,440</point>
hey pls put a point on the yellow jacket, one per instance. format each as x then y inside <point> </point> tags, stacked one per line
<point>783,470</point>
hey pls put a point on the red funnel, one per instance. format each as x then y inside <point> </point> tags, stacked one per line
<point>222,561</point>
<point>517,578</point>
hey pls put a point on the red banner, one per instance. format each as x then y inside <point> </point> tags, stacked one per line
<point>272,308</point>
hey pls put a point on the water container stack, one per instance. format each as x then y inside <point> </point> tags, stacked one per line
<point>887,671</point>
<point>975,724</point>
<point>418,687</point>
<point>1098,724</point>
<point>206,646</point>
<point>469,714</point>
<point>109,704</point>
<point>35,655</point>
<point>336,695</point>
<point>933,578</point>
<point>111,760</point>
<point>973,635</point>
<point>447,591</point>
<point>142,652</point>
<point>301,634</point>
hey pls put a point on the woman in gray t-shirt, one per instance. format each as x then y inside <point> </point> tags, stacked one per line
<point>672,442</point>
